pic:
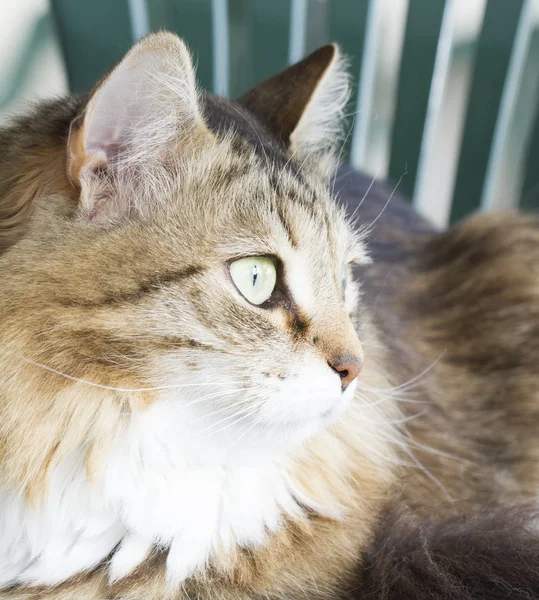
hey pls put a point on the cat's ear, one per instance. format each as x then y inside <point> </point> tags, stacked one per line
<point>142,109</point>
<point>304,104</point>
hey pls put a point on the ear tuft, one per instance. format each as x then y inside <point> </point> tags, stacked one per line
<point>321,125</point>
<point>304,104</point>
<point>133,116</point>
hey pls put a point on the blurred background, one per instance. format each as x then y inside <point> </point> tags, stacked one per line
<point>445,91</point>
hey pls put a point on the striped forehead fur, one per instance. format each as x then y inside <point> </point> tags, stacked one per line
<point>258,174</point>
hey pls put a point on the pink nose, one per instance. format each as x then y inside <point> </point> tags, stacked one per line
<point>348,369</point>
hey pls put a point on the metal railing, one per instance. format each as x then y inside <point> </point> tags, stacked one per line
<point>461,26</point>
<point>381,143</point>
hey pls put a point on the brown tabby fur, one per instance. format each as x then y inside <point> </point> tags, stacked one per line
<point>461,308</point>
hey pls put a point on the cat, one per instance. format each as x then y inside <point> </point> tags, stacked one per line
<point>209,388</point>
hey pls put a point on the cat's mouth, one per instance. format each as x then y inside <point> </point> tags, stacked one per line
<point>343,402</point>
<point>329,410</point>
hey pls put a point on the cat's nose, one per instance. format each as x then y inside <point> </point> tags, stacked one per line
<point>348,369</point>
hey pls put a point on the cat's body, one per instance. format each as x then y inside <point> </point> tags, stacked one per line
<point>159,496</point>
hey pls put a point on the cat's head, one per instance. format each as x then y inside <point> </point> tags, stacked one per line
<point>206,261</point>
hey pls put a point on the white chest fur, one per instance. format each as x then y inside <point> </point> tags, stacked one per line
<point>151,492</point>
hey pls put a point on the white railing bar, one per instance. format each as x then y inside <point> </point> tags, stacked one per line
<point>437,175</point>
<point>298,30</point>
<point>221,48</point>
<point>138,16</point>
<point>423,202</point>
<point>365,91</point>
<point>500,188</point>
<point>375,108</point>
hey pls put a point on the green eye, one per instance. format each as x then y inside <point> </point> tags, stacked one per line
<point>255,278</point>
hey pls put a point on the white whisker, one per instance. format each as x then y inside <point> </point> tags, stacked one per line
<point>406,385</point>
<point>369,228</point>
<point>118,389</point>
<point>244,416</point>
<point>363,199</point>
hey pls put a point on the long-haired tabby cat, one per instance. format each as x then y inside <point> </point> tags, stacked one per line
<point>199,399</point>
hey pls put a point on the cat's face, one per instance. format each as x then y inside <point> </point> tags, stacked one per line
<point>207,259</point>
<point>263,311</point>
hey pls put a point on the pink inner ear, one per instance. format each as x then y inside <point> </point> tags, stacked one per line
<point>143,106</point>
<point>143,103</point>
<point>115,113</point>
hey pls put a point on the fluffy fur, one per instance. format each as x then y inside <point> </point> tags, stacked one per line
<point>147,431</point>
<point>161,438</point>
<point>473,557</point>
